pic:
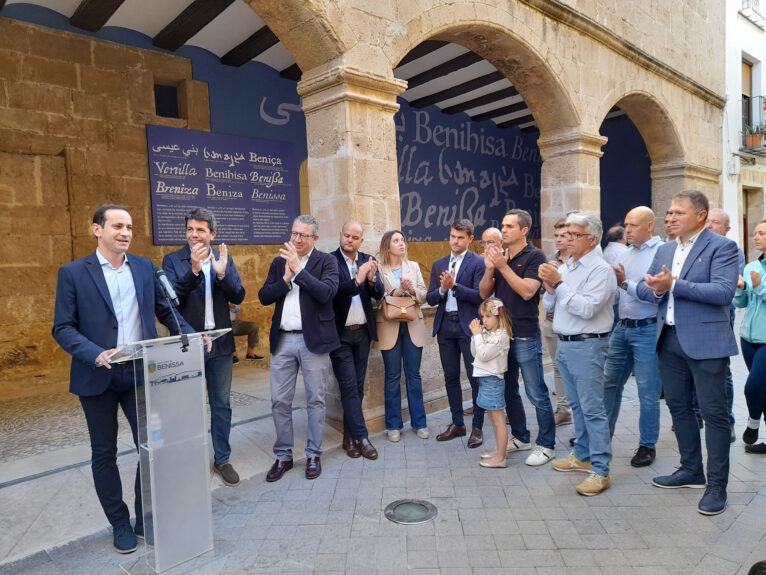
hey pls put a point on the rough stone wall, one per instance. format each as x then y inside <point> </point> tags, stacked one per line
<point>681,34</point>
<point>73,111</point>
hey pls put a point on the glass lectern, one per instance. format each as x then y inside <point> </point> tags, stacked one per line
<point>173,453</point>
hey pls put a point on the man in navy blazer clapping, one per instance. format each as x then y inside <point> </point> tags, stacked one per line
<point>302,282</point>
<point>205,281</point>
<point>454,288</point>
<point>359,283</point>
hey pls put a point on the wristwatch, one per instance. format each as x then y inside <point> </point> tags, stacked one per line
<point>624,285</point>
<point>557,284</point>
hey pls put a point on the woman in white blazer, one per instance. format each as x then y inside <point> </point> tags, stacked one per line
<point>401,342</point>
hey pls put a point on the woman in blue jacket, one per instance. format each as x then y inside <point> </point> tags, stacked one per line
<point>751,294</point>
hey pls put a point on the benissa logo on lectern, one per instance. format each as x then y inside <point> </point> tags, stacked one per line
<point>163,365</point>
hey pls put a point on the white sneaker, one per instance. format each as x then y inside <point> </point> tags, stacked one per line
<point>423,433</point>
<point>517,445</point>
<point>394,435</point>
<point>540,456</point>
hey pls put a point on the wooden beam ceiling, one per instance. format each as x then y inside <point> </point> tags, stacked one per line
<point>497,112</point>
<point>256,44</point>
<point>91,15</point>
<point>517,121</point>
<point>194,18</point>
<point>291,73</point>
<point>462,61</point>
<point>422,49</point>
<point>455,91</point>
<point>509,92</point>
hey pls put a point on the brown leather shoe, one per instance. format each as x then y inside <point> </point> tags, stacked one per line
<point>313,467</point>
<point>278,470</point>
<point>451,432</point>
<point>476,439</point>
<point>366,448</point>
<point>351,447</point>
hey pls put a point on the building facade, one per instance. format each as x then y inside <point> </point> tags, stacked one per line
<point>74,106</point>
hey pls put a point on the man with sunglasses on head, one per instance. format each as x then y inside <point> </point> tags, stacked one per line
<point>302,282</point>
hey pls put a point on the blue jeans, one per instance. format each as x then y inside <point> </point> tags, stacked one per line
<point>581,364</point>
<point>407,353</point>
<point>218,374</point>
<point>634,348</point>
<point>101,417</point>
<point>526,354</point>
<point>680,375</point>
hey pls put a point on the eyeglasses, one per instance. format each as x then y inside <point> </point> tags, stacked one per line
<point>488,242</point>
<point>577,235</point>
<point>296,235</point>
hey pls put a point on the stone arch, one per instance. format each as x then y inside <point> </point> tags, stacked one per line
<point>314,32</point>
<point>669,169</point>
<point>654,123</point>
<point>518,55</point>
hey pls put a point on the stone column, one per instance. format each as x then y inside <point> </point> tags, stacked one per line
<point>352,174</point>
<point>569,178</point>
<point>352,166</point>
<point>674,176</point>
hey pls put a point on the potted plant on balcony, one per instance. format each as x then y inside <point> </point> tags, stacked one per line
<point>751,136</point>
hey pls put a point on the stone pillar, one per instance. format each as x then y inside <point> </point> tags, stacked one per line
<point>352,174</point>
<point>674,176</point>
<point>352,166</point>
<point>569,178</point>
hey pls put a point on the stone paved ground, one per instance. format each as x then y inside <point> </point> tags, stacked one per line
<point>513,521</point>
<point>519,520</point>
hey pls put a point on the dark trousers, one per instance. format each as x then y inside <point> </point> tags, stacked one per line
<point>452,343</point>
<point>680,376</point>
<point>349,363</point>
<point>101,416</point>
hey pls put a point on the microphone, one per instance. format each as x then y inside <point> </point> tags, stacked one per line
<point>172,299</point>
<point>159,273</point>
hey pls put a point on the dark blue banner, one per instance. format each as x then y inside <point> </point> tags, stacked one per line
<point>250,185</point>
<point>451,167</point>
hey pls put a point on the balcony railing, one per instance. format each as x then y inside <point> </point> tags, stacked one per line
<point>751,9</point>
<point>754,136</point>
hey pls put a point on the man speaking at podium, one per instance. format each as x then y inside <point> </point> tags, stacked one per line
<point>205,282</point>
<point>103,301</point>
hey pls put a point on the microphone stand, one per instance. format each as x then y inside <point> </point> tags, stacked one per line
<point>184,337</point>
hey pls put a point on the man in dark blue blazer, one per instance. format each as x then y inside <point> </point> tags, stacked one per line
<point>454,289</point>
<point>205,281</point>
<point>103,301</point>
<point>358,284</point>
<point>693,279</point>
<point>302,281</point>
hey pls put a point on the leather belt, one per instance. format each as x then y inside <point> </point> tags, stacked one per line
<point>355,327</point>
<point>638,322</point>
<point>583,336</point>
<point>450,313</point>
<point>291,331</point>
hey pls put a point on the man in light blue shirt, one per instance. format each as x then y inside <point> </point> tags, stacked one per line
<point>632,345</point>
<point>582,293</point>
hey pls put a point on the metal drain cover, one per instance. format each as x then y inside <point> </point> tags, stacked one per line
<point>411,511</point>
